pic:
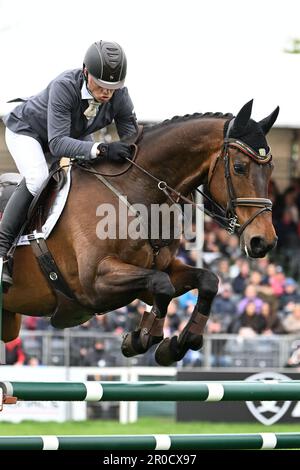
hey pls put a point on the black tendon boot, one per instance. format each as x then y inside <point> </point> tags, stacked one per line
<point>13,218</point>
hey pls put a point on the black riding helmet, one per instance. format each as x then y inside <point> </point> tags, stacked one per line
<point>107,64</point>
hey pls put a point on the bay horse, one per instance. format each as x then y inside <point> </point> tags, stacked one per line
<point>230,155</point>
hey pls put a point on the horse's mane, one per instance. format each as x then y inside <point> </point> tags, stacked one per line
<point>187,117</point>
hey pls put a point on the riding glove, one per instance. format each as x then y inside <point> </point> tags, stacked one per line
<point>115,151</point>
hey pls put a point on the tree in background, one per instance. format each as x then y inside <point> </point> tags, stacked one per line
<point>293,47</point>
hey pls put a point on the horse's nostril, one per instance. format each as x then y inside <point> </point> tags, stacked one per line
<point>258,244</point>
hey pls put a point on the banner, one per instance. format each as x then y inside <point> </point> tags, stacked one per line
<point>265,412</point>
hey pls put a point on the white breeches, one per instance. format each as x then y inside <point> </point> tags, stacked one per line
<point>29,157</point>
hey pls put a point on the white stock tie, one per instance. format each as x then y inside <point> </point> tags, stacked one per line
<point>92,110</point>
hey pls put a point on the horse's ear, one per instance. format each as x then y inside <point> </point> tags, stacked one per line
<point>243,117</point>
<point>268,122</point>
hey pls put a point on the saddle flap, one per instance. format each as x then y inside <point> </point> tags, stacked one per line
<point>42,202</point>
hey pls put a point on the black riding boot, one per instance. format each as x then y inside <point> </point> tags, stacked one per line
<point>13,218</point>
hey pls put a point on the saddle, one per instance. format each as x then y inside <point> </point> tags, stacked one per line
<point>41,203</point>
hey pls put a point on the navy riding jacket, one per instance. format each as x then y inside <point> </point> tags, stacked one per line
<point>55,117</point>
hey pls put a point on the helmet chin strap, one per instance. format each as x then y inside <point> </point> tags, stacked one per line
<point>92,94</point>
<point>86,75</point>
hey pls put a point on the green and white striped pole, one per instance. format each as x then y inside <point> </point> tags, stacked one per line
<point>154,442</point>
<point>149,391</point>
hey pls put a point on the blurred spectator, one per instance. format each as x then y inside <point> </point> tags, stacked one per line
<point>276,279</point>
<point>273,322</point>
<point>36,323</point>
<point>117,319</point>
<point>263,289</point>
<point>184,255</point>
<point>223,270</point>
<point>223,308</point>
<point>262,266</point>
<point>14,352</point>
<point>288,231</point>
<point>223,240</point>
<point>210,243</point>
<point>239,283</point>
<point>99,356</point>
<point>256,279</point>
<point>290,295</point>
<point>223,303</point>
<point>273,191</point>
<point>294,359</point>
<point>249,320</point>
<point>33,361</point>
<point>81,343</point>
<point>250,296</point>
<point>80,359</point>
<point>291,323</point>
<point>100,323</point>
<point>233,250</point>
<point>43,323</point>
<point>30,323</point>
<point>173,315</point>
<point>214,325</point>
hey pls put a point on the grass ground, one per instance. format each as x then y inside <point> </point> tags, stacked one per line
<point>143,426</point>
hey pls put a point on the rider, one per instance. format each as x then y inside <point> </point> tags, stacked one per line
<point>60,119</point>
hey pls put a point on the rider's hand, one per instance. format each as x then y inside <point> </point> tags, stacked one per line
<point>115,151</point>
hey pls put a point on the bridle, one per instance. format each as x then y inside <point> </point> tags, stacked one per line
<point>229,215</point>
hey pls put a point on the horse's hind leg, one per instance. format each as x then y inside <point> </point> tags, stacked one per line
<point>185,278</point>
<point>122,278</point>
<point>11,324</point>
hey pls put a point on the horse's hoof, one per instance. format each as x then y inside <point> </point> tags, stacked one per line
<point>127,347</point>
<point>165,354</point>
<point>137,342</point>
<point>195,342</point>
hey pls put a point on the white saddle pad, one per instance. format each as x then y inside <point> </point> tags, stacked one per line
<point>54,213</point>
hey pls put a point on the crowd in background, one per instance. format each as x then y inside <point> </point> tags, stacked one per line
<point>255,297</point>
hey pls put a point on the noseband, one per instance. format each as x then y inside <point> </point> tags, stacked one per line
<point>229,216</point>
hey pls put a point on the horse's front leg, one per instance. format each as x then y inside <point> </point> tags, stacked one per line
<point>121,279</point>
<point>11,324</point>
<point>185,278</point>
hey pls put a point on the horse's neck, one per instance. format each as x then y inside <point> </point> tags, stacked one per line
<point>181,155</point>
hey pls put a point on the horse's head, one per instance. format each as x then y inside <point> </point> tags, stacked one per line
<point>238,180</point>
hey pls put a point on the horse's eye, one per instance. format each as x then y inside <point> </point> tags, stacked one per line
<point>240,168</point>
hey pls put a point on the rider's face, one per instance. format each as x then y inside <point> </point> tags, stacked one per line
<point>100,94</point>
